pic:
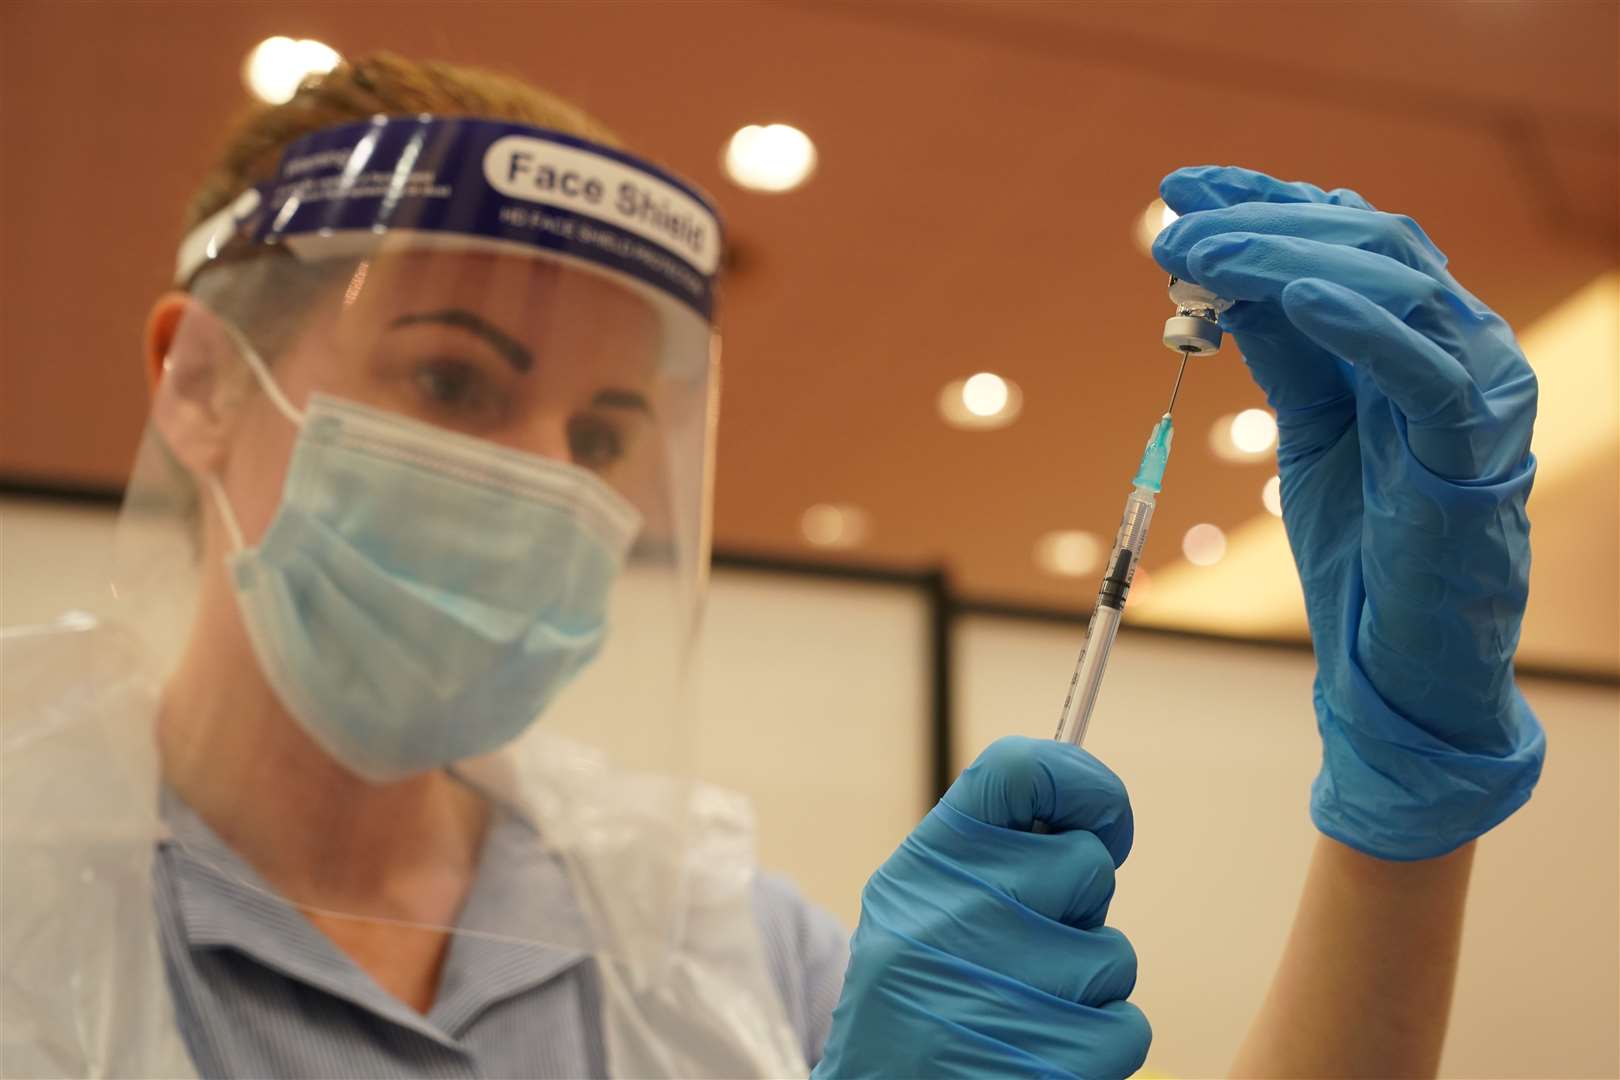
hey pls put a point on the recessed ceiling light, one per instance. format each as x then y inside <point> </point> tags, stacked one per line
<point>1204,545</point>
<point>1271,496</point>
<point>1243,437</point>
<point>835,525</point>
<point>1068,553</point>
<point>769,157</point>
<point>277,65</point>
<point>1152,222</point>
<point>1254,431</point>
<point>984,394</point>
<point>981,402</point>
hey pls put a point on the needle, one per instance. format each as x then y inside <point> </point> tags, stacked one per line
<point>1185,353</point>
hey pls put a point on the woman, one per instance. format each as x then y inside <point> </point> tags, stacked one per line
<point>427,461</point>
<point>434,386</point>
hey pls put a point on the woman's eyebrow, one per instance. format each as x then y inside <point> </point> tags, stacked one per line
<point>498,339</point>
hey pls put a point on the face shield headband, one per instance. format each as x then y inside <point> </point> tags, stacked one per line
<point>469,184</point>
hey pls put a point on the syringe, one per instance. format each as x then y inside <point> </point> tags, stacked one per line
<point>1116,583</point>
<point>1194,330</point>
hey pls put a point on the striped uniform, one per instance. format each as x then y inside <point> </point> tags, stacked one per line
<point>259,991</point>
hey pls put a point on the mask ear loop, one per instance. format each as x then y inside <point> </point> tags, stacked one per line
<point>267,383</point>
<point>261,373</point>
<point>226,514</point>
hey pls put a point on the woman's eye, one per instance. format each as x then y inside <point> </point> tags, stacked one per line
<point>458,386</point>
<point>594,443</point>
<point>445,381</point>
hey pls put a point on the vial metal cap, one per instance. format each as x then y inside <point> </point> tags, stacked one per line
<point>1191,334</point>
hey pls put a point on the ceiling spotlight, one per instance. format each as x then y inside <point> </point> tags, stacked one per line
<point>1152,222</point>
<point>1068,553</point>
<point>1254,431</point>
<point>1204,545</point>
<point>1243,437</point>
<point>769,157</point>
<point>980,402</point>
<point>984,394</point>
<point>1271,496</point>
<point>835,525</point>
<point>277,65</point>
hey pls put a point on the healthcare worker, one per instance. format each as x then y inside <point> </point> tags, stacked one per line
<point>378,763</point>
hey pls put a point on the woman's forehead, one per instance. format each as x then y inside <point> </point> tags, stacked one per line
<point>496,282</point>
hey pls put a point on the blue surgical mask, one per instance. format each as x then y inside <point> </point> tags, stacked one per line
<point>421,596</point>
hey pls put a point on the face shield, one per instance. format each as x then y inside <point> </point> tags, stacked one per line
<point>419,529</point>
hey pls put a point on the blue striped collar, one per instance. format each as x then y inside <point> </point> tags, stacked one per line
<point>520,899</point>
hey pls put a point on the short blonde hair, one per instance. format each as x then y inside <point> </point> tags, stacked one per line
<point>379,84</point>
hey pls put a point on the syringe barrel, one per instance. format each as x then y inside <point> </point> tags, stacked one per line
<point>1088,672</point>
<point>1104,624</point>
<point>1128,544</point>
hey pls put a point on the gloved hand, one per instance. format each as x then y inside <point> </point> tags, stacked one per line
<point>981,949</point>
<point>1404,410</point>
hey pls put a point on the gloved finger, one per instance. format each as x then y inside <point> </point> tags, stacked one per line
<point>1449,423</point>
<point>1208,187</point>
<point>1018,781</point>
<point>1248,266</point>
<point>1393,235</point>
<point>940,909</point>
<point>1311,390</point>
<point>991,1025</point>
<point>1067,877</point>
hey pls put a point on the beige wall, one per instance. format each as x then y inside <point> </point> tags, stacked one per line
<point>53,556</point>
<point>818,708</point>
<point>816,694</point>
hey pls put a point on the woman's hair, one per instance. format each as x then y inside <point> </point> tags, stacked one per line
<point>379,84</point>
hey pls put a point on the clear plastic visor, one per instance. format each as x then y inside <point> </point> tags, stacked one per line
<point>414,551</point>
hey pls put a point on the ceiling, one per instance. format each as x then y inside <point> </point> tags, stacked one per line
<point>982,167</point>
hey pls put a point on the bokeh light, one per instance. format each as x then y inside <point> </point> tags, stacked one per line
<point>981,402</point>
<point>277,65</point>
<point>1254,431</point>
<point>835,525</point>
<point>1068,553</point>
<point>1245,437</point>
<point>769,157</point>
<point>1271,496</point>
<point>984,394</point>
<point>1204,545</point>
<point>1153,221</point>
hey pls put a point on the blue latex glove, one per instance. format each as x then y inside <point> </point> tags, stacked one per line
<point>981,949</point>
<point>1404,410</point>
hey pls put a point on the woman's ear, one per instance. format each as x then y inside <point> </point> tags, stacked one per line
<point>190,361</point>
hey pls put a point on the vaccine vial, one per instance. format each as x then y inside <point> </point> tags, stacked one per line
<point>1194,328</point>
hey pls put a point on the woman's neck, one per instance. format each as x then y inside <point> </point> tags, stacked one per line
<point>320,835</point>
